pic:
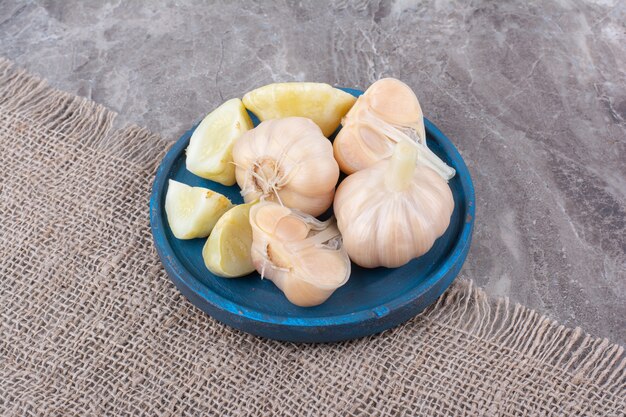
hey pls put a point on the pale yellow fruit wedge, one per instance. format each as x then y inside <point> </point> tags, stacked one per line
<point>319,102</point>
<point>227,250</point>
<point>209,154</point>
<point>193,211</point>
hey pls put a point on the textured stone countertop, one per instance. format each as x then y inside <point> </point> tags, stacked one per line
<point>532,93</point>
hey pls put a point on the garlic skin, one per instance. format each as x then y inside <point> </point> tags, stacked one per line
<point>393,211</point>
<point>288,161</point>
<point>301,255</point>
<point>387,113</point>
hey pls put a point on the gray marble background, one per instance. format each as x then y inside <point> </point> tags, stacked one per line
<point>532,93</point>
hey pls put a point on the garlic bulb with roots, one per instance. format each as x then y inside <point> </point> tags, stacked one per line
<point>288,161</point>
<point>303,256</point>
<point>386,114</point>
<point>393,211</point>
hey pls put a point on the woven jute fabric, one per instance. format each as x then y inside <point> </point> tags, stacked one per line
<point>91,325</point>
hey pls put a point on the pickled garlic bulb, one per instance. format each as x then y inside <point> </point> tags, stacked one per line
<point>288,161</point>
<point>394,210</point>
<point>303,256</point>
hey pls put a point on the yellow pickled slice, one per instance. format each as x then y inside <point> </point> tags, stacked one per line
<point>193,211</point>
<point>209,154</point>
<point>319,102</point>
<point>227,250</point>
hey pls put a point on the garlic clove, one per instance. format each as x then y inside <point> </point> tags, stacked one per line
<point>322,266</point>
<point>226,252</point>
<point>209,154</point>
<point>319,102</point>
<point>304,293</point>
<point>193,211</point>
<point>395,102</point>
<point>290,229</point>
<point>374,143</point>
<point>318,274</point>
<point>267,216</point>
<point>349,151</point>
<point>405,247</point>
<point>302,173</point>
<point>360,240</point>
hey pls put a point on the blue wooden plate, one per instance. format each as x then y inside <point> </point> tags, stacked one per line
<point>371,301</point>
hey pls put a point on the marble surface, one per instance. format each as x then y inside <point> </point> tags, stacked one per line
<point>532,93</point>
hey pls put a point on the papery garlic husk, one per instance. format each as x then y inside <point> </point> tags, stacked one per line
<point>303,256</point>
<point>288,161</point>
<point>387,113</point>
<point>393,211</point>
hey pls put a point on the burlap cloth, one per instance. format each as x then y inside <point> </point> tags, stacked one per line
<point>91,325</point>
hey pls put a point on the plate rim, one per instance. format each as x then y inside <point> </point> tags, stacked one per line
<point>236,315</point>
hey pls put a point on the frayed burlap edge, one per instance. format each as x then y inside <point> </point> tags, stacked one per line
<point>469,309</point>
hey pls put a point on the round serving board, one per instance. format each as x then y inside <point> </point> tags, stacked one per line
<point>371,301</point>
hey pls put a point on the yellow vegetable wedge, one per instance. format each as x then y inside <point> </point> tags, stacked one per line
<point>227,250</point>
<point>193,211</point>
<point>319,102</point>
<point>209,154</point>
